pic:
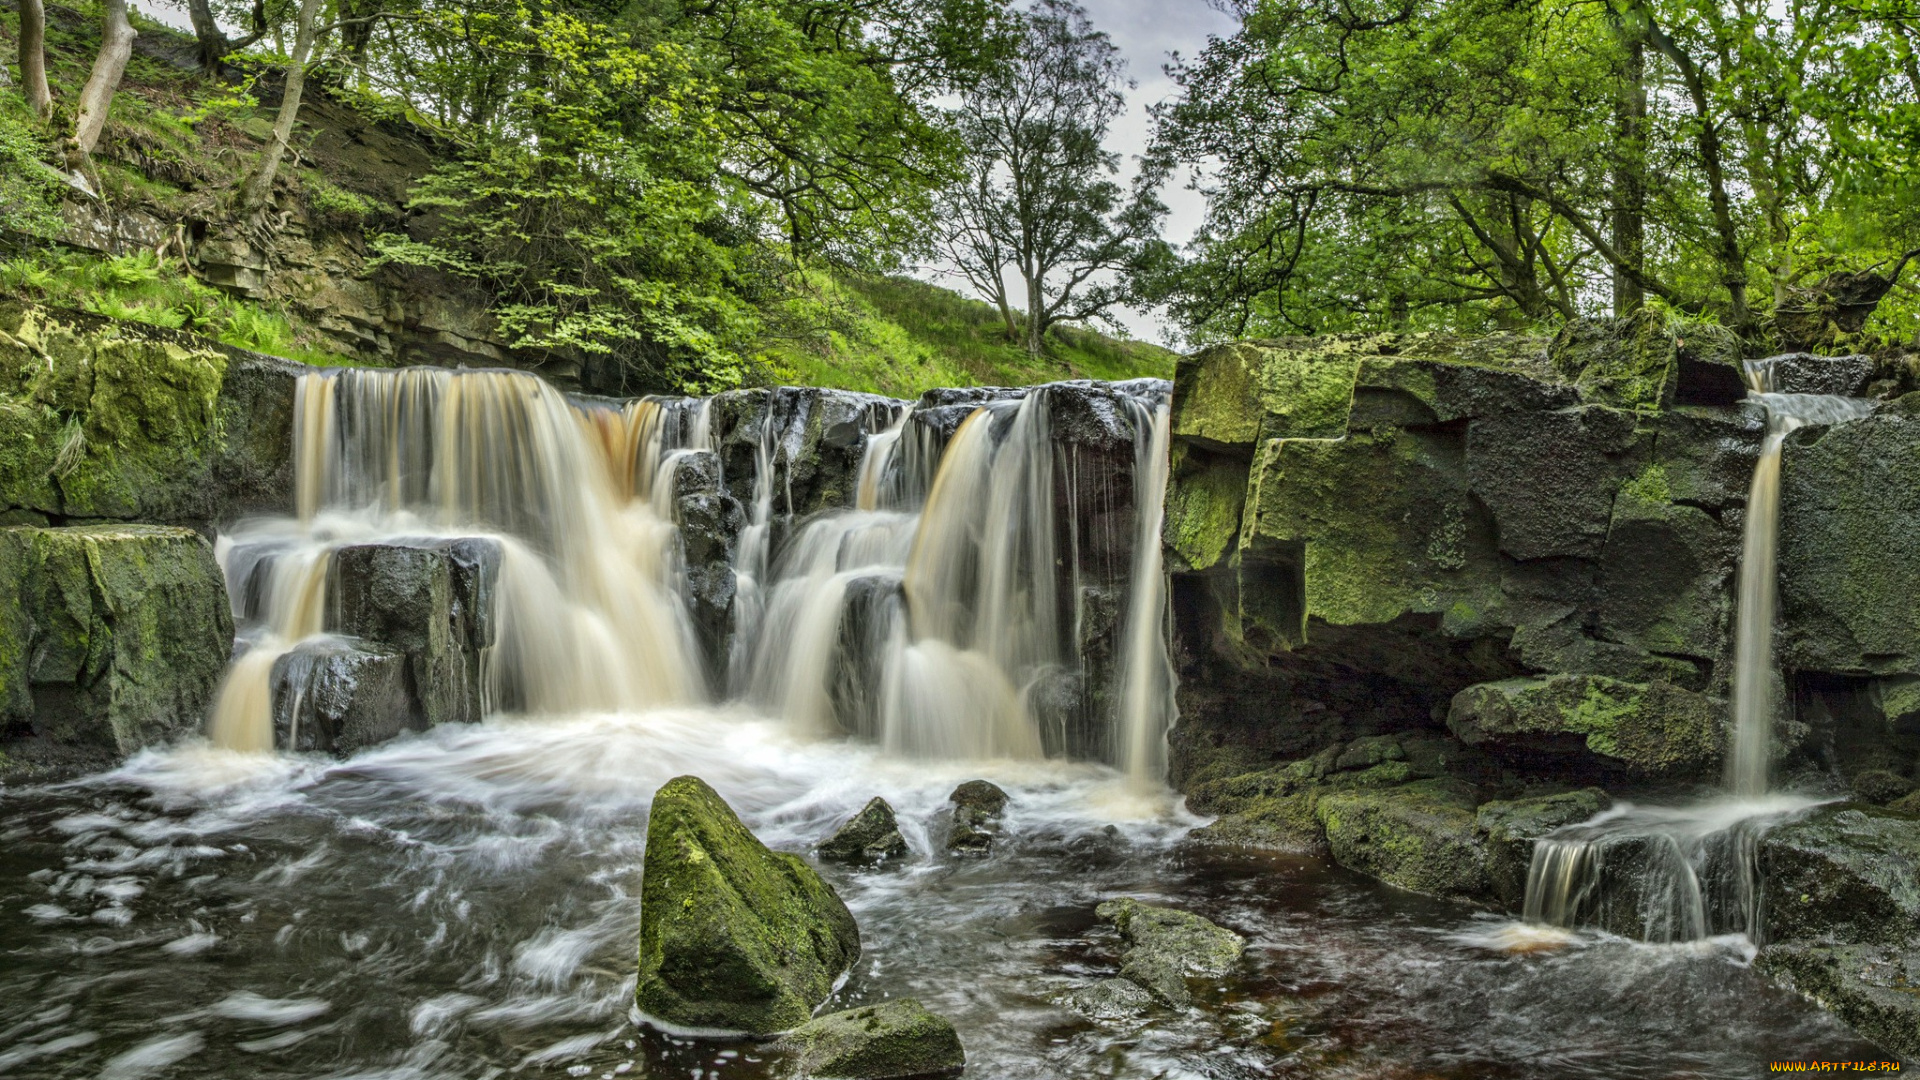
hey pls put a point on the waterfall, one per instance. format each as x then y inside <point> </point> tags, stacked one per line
<point>1753,667</point>
<point>942,615</point>
<point>585,611</point>
<point>1146,702</point>
<point>1668,874</point>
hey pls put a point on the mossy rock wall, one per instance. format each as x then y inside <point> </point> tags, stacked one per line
<point>1362,527</point>
<point>102,421</point>
<point>114,640</point>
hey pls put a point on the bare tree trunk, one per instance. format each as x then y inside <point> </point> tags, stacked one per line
<point>1036,317</point>
<point>206,30</point>
<point>1629,185</point>
<point>33,58</point>
<point>259,187</point>
<point>116,48</point>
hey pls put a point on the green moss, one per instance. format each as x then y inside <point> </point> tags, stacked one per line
<point>1649,488</point>
<point>1419,836</point>
<point>1630,363</point>
<point>1652,727</point>
<point>1204,505</point>
<point>732,936</point>
<point>131,621</point>
<point>898,1038</point>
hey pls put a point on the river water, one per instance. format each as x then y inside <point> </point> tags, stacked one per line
<point>465,904</point>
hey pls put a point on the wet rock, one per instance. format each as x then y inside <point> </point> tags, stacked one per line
<point>1419,836</point>
<point>1511,827</point>
<point>870,836</point>
<point>978,801</point>
<point>1111,999</point>
<point>894,1039</point>
<point>1846,872</point>
<point>1848,553</point>
<point>1805,373</point>
<point>1869,987</point>
<point>1165,946</point>
<point>733,937</point>
<point>338,696</point>
<point>112,638</point>
<point>977,806</point>
<point>1880,786</point>
<point>431,600</point>
<point>1650,728</point>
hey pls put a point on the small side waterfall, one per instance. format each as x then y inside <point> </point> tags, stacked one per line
<point>1665,874</point>
<point>1146,702</point>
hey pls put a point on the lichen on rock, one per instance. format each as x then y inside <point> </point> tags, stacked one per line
<point>733,937</point>
<point>1166,946</point>
<point>1652,728</point>
<point>1420,836</point>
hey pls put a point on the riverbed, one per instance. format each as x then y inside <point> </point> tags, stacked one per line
<point>465,903</point>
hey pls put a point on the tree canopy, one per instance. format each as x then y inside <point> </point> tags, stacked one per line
<point>1471,163</point>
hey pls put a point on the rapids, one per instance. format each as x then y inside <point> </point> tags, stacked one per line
<point>465,904</point>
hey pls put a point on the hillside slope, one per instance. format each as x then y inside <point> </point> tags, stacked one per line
<point>311,291</point>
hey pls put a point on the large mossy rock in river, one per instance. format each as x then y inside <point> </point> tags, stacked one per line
<point>890,1041</point>
<point>1420,836</point>
<point>733,937</point>
<point>106,421</point>
<point>1166,946</point>
<point>112,638</point>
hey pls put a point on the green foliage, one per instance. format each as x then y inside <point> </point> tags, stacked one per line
<point>1468,164</point>
<point>138,288</point>
<point>900,337</point>
<point>29,192</point>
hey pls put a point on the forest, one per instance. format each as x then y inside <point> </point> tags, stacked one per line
<point>655,183</point>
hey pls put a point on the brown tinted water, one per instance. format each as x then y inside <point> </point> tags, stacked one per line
<point>465,904</point>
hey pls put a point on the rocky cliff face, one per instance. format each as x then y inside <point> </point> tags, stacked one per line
<point>1526,547</point>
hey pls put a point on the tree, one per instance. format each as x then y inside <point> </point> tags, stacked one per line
<point>258,190</point>
<point>33,58</point>
<point>96,96</point>
<point>1040,193</point>
<point>1467,163</point>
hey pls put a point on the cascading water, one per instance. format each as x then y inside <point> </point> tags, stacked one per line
<point>939,616</point>
<point>1669,874</point>
<point>586,615</point>
<point>946,628</point>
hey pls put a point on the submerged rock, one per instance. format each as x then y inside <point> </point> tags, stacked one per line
<point>733,937</point>
<point>870,836</point>
<point>892,1040</point>
<point>1111,999</point>
<point>112,639</point>
<point>1165,946</point>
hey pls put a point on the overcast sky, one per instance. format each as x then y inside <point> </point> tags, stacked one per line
<point>1148,32</point>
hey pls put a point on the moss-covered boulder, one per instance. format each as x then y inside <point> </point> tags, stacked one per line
<point>1166,946</point>
<point>892,1040</point>
<point>733,937</point>
<point>1420,836</point>
<point>108,421</point>
<point>112,638</point>
<point>1649,728</point>
<point>870,836</point>
<point>1512,825</point>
